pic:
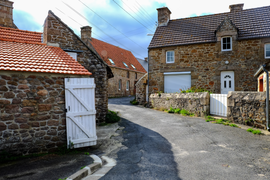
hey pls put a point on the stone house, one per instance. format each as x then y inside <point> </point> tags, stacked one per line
<point>219,52</point>
<point>125,67</point>
<point>32,92</point>
<point>57,33</point>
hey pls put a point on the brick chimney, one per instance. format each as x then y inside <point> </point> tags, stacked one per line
<point>236,7</point>
<point>6,14</point>
<point>86,32</point>
<point>163,16</point>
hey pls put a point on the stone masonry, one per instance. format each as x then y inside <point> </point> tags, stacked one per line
<point>114,90</point>
<point>55,31</point>
<point>206,61</point>
<point>197,103</point>
<point>32,112</point>
<point>6,14</point>
<point>247,108</point>
<point>141,89</point>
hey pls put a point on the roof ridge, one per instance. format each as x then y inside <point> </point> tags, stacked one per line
<point>216,14</point>
<point>21,30</point>
<point>26,42</point>
<point>112,45</point>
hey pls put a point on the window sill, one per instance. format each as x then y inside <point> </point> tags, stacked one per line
<point>226,50</point>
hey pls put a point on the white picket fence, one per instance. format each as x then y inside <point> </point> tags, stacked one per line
<point>218,104</point>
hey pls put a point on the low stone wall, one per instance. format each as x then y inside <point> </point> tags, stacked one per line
<point>197,103</point>
<point>141,89</point>
<point>32,112</point>
<point>247,108</point>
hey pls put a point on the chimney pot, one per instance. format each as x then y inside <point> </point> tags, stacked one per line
<point>236,7</point>
<point>146,59</point>
<point>86,32</point>
<point>163,16</point>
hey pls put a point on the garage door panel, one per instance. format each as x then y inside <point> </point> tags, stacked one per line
<point>172,83</point>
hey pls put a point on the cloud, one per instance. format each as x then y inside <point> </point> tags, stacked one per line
<point>25,21</point>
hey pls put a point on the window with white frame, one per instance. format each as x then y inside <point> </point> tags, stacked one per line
<point>120,84</point>
<point>170,57</point>
<point>267,50</point>
<point>127,85</point>
<point>73,55</point>
<point>226,44</point>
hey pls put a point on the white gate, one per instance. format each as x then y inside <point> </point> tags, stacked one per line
<point>81,113</point>
<point>218,104</point>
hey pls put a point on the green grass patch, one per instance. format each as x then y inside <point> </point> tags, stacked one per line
<point>254,131</point>
<point>178,111</point>
<point>112,117</point>
<point>134,102</point>
<point>233,125</point>
<point>184,112</point>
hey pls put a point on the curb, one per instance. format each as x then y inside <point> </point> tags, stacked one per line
<point>88,170</point>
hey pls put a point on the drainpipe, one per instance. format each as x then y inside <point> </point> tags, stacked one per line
<point>267,96</point>
<point>148,77</point>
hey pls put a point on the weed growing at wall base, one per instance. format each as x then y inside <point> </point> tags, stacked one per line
<point>254,131</point>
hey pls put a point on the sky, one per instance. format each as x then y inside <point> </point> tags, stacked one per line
<point>123,23</point>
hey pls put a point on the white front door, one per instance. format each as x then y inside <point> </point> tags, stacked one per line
<point>227,81</point>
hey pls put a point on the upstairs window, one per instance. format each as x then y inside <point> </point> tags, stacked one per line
<point>170,57</point>
<point>267,50</point>
<point>133,66</point>
<point>73,55</point>
<point>226,44</point>
<point>125,64</point>
<point>111,61</point>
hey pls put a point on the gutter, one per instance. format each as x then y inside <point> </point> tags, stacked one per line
<point>262,68</point>
<point>148,78</point>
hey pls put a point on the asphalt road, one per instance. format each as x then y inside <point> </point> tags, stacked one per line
<point>158,145</point>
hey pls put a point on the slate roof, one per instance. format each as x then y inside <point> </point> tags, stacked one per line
<point>118,56</point>
<point>33,56</point>
<point>143,63</point>
<point>251,23</point>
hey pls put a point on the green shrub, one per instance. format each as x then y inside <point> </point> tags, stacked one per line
<point>112,117</point>
<point>184,112</point>
<point>254,131</point>
<point>194,90</point>
<point>233,125</point>
<point>171,110</point>
<point>177,111</point>
<point>134,102</point>
<point>249,130</point>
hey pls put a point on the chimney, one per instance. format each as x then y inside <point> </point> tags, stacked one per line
<point>236,7</point>
<point>86,32</point>
<point>6,14</point>
<point>163,16</point>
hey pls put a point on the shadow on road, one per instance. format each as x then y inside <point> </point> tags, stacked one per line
<point>145,155</point>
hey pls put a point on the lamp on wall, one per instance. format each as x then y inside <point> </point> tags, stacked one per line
<point>226,62</point>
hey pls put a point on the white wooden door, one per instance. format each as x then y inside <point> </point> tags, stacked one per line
<point>81,113</point>
<point>218,104</point>
<point>227,81</point>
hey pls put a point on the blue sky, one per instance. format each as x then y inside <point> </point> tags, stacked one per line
<point>124,23</point>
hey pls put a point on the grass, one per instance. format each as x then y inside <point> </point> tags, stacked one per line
<point>254,131</point>
<point>220,121</point>
<point>194,90</point>
<point>134,102</point>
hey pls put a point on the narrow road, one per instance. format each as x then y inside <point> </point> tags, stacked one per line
<point>158,145</point>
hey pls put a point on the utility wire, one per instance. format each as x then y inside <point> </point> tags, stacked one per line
<point>133,10</point>
<point>98,28</point>
<point>145,11</point>
<point>111,24</point>
<point>132,16</point>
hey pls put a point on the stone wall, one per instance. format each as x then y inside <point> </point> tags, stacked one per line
<point>247,108</point>
<point>141,89</point>
<point>32,112</point>
<point>113,88</point>
<point>207,61</point>
<point>55,31</point>
<point>197,103</point>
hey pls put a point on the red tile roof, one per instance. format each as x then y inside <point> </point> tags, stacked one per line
<point>118,55</point>
<point>31,56</point>
<point>20,35</point>
<point>251,23</point>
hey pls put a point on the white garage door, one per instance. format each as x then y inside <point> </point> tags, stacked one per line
<point>173,81</point>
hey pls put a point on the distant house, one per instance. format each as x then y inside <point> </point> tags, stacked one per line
<point>219,52</point>
<point>125,67</point>
<point>144,63</point>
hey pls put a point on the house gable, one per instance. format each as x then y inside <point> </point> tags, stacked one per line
<point>226,28</point>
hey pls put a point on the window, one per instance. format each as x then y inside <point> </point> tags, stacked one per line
<point>111,61</point>
<point>133,66</point>
<point>226,44</point>
<point>120,84</point>
<point>267,50</point>
<point>127,85</point>
<point>135,75</point>
<point>127,74</point>
<point>73,55</point>
<point>125,65</point>
<point>170,57</point>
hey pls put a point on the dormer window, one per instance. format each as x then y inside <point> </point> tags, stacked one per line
<point>133,66</point>
<point>267,50</point>
<point>226,44</point>
<point>111,61</point>
<point>125,65</point>
<point>73,55</point>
